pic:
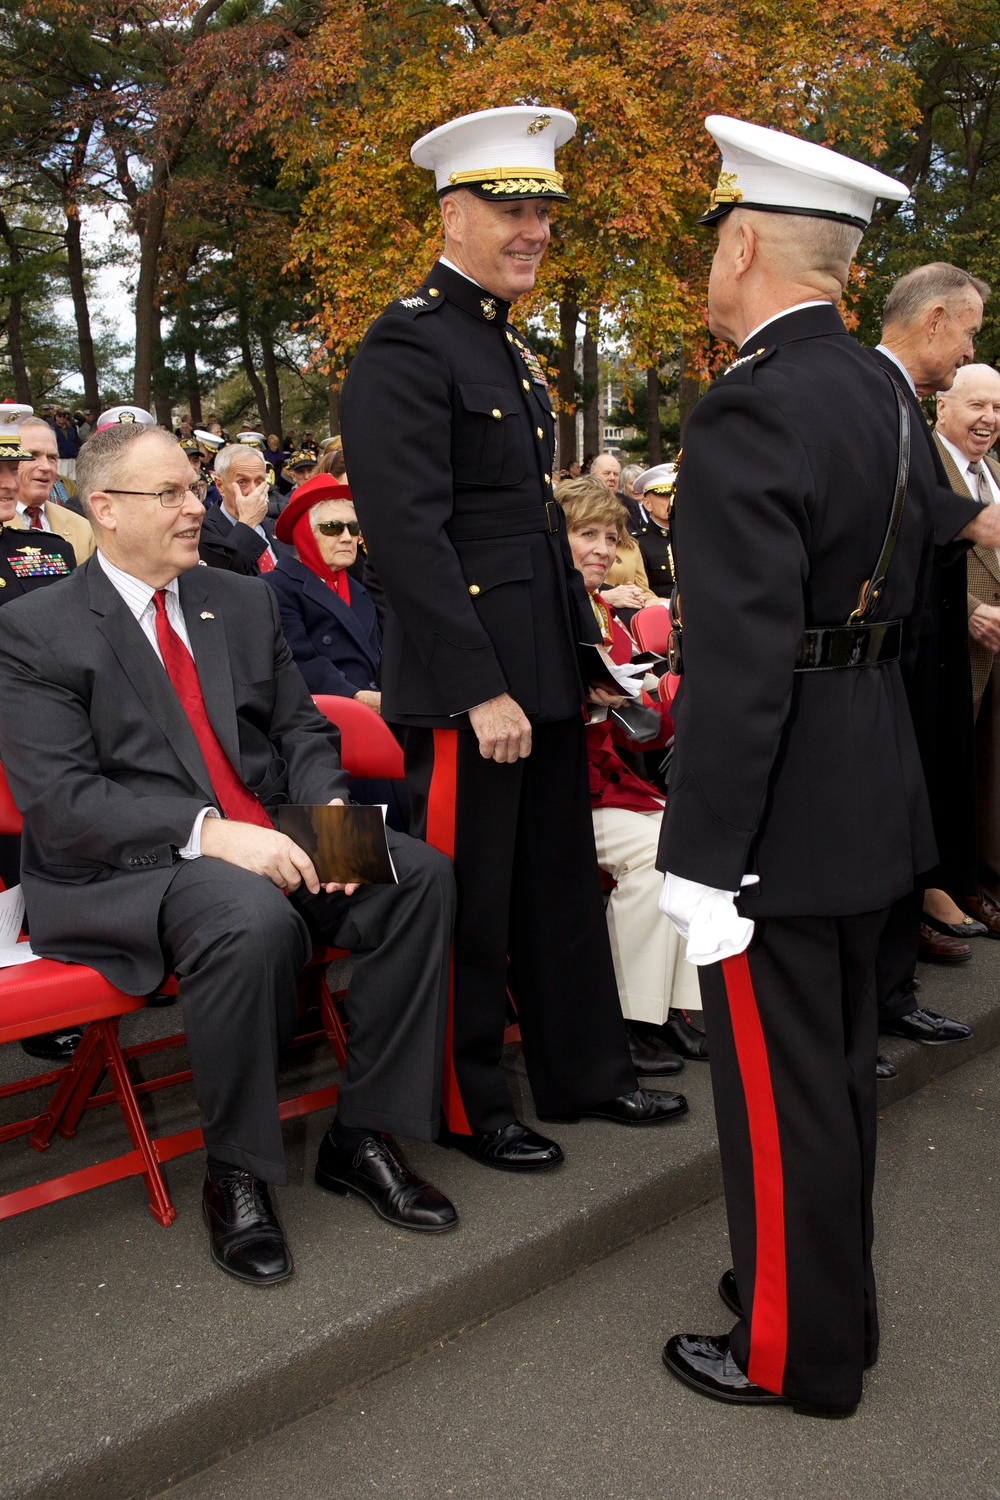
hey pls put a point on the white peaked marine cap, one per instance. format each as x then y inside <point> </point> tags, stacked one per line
<point>12,414</point>
<point>768,170</point>
<point>499,154</point>
<point>660,479</point>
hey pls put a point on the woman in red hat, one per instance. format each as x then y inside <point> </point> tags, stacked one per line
<point>328,618</point>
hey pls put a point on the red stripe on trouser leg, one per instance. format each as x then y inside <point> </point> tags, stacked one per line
<point>441,797</point>
<point>769,1318</point>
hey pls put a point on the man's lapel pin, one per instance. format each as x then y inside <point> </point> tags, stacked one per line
<point>206,614</point>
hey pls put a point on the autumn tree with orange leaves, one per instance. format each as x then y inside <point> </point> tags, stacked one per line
<point>640,78</point>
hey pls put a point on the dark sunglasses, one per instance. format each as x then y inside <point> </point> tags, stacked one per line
<point>334,528</point>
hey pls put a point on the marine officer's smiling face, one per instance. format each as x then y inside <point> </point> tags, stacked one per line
<point>499,245</point>
<point>8,491</point>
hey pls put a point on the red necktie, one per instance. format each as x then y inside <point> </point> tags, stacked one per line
<point>232,796</point>
<point>265,562</point>
<point>34,514</point>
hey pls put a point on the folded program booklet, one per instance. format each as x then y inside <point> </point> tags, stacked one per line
<point>346,844</point>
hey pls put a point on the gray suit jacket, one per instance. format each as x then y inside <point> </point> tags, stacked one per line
<point>984,575</point>
<point>105,767</point>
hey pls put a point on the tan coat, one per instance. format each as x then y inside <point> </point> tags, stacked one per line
<point>628,568</point>
<point>65,523</point>
<point>984,575</point>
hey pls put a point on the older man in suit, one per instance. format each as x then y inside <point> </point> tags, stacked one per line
<point>238,534</point>
<point>968,423</point>
<point>35,511</point>
<point>160,695</point>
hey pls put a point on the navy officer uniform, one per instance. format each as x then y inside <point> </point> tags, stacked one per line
<point>483,599</point>
<point>796,777</point>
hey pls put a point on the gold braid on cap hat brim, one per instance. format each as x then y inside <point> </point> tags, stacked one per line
<point>511,180</point>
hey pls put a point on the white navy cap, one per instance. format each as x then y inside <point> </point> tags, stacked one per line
<point>12,414</point>
<point>210,440</point>
<point>777,173</point>
<point>251,439</point>
<point>499,154</point>
<point>659,480</point>
<point>125,415</point>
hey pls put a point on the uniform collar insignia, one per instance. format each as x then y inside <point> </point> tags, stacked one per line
<point>746,358</point>
<point>489,307</point>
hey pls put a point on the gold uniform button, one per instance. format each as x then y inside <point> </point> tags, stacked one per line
<point>527,387</point>
<point>434,291</point>
<point>548,479</point>
<point>3,583</point>
<point>539,433</point>
<point>473,588</point>
<point>497,412</point>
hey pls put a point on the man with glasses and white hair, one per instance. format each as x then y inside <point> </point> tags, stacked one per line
<point>153,719</point>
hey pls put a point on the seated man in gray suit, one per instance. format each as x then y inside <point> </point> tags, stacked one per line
<point>152,720</point>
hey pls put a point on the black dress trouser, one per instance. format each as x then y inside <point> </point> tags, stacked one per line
<point>792,1033</point>
<point>237,945</point>
<point>522,839</point>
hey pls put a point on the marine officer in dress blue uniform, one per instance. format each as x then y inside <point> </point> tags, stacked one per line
<point>802,531</point>
<point>482,640</point>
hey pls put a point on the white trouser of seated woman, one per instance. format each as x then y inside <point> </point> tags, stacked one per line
<point>649,954</point>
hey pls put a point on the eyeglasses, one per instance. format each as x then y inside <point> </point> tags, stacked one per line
<point>172,496</point>
<point>334,528</point>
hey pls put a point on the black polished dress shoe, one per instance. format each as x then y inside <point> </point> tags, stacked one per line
<point>884,1069</point>
<point>243,1228</point>
<point>684,1037</point>
<point>704,1362</point>
<point>512,1148</point>
<point>967,928</point>
<point>641,1107</point>
<point>650,1057</point>
<point>925,1026</point>
<point>380,1175</point>
<point>53,1046</point>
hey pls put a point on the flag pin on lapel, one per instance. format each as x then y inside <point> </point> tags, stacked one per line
<point>207,615</point>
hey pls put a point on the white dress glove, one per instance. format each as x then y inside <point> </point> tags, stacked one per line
<point>706,918</point>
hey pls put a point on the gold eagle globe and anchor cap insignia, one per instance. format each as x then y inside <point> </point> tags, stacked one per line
<point>12,414</point>
<point>782,174</point>
<point>499,154</point>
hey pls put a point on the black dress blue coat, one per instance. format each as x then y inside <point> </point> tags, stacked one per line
<point>336,649</point>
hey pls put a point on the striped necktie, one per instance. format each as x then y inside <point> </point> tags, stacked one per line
<point>982,483</point>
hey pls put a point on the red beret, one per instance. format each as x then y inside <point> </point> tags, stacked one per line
<point>320,487</point>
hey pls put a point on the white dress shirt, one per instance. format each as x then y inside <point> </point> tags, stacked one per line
<point>138,596</point>
<point>899,366</point>
<point>962,462</point>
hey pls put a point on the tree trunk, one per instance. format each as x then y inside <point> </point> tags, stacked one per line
<point>569,316</point>
<point>272,417</point>
<point>654,443</point>
<point>591,388</point>
<point>147,308</point>
<point>162,404</point>
<point>15,349</point>
<point>191,382</point>
<point>78,290</point>
<point>688,391</point>
<point>250,369</point>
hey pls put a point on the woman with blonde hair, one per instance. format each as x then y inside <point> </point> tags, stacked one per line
<point>656,985</point>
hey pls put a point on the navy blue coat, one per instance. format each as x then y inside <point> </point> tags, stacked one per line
<point>336,649</point>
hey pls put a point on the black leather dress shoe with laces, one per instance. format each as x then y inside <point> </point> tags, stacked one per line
<point>685,1038</point>
<point>512,1148</point>
<point>650,1057</point>
<point>378,1173</point>
<point>53,1046</point>
<point>884,1069</point>
<point>925,1026</point>
<point>705,1363</point>
<point>641,1107</point>
<point>243,1229</point>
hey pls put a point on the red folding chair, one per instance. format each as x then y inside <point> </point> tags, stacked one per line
<point>650,628</point>
<point>368,747</point>
<point>46,995</point>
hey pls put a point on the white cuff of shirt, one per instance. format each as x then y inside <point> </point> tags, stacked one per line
<point>192,849</point>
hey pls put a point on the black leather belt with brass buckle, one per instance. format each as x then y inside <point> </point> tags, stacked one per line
<point>833,647</point>
<point>488,525</point>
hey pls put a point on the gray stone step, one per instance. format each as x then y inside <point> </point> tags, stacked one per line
<point>131,1362</point>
